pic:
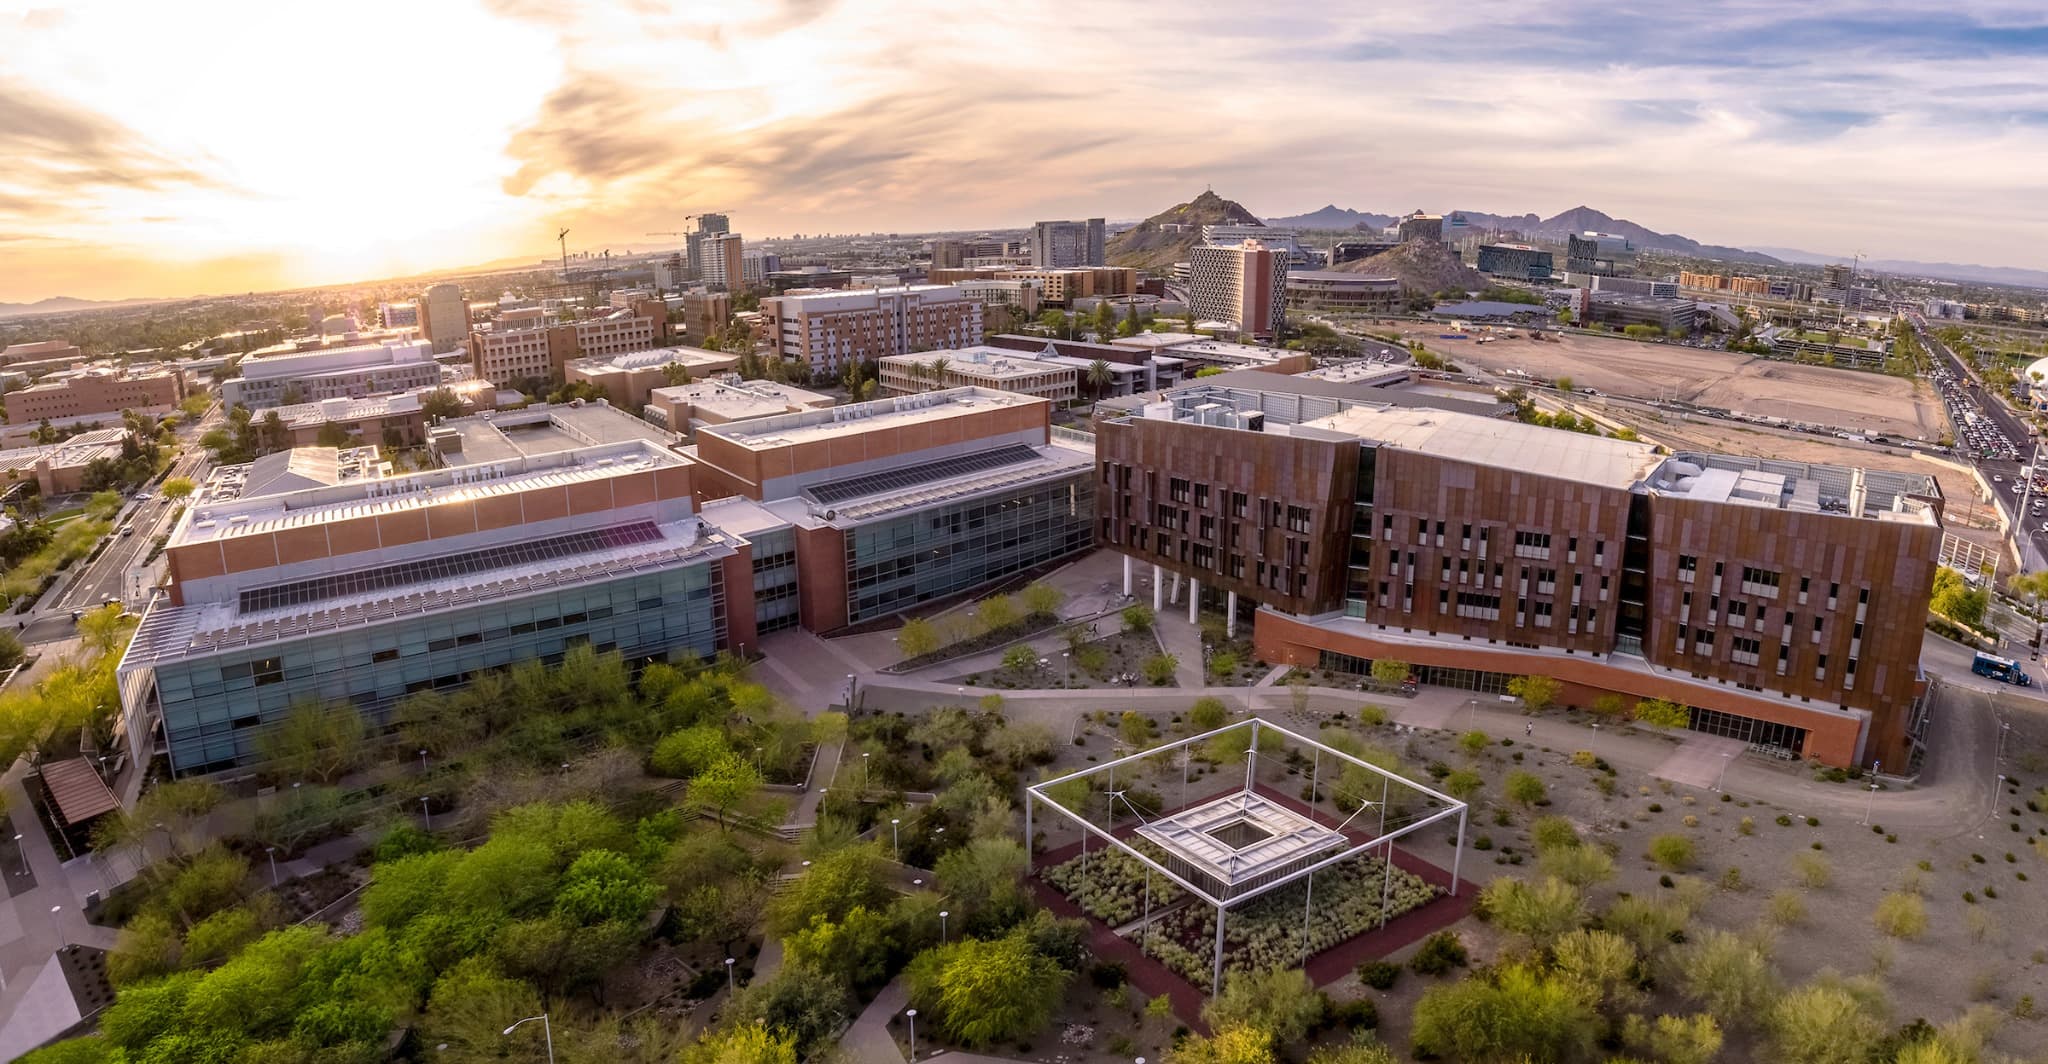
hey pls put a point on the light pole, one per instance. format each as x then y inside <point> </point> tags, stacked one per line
<point>864,770</point>
<point>423,760</point>
<point>1066,669</point>
<point>912,1014</point>
<point>20,854</point>
<point>272,851</point>
<point>728,975</point>
<point>63,940</point>
<point>942,925</point>
<point>1721,780</point>
<point>896,839</point>
<point>546,1029</point>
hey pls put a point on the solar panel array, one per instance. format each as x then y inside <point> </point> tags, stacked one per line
<point>835,491</point>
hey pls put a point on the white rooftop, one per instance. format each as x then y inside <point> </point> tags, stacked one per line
<point>855,418</point>
<point>1241,836</point>
<point>1503,444</point>
<point>655,358</point>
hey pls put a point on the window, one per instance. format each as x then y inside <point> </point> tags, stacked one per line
<point>1759,582</point>
<point>1744,651</point>
<point>1237,504</point>
<point>1202,495</point>
<point>1208,527</point>
<point>1532,545</point>
<point>1297,518</point>
<point>1177,489</point>
<point>1688,567</point>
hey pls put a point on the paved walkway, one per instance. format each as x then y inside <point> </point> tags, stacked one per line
<point>36,1002</point>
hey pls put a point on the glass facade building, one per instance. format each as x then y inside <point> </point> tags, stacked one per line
<point>897,562</point>
<point>215,707</point>
<point>775,580</point>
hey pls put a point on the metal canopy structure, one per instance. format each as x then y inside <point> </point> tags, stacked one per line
<point>1244,844</point>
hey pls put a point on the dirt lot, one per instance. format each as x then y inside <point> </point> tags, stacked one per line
<point>1847,399</point>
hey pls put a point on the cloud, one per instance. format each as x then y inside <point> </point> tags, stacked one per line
<point>61,156</point>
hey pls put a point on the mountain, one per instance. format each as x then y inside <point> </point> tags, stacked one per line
<point>1424,267</point>
<point>1946,271</point>
<point>1160,241</point>
<point>1333,217</point>
<point>64,304</point>
<point>1583,219</point>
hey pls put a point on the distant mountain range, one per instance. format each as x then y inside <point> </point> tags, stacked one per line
<point>1947,271</point>
<point>64,304</point>
<point>1557,227</point>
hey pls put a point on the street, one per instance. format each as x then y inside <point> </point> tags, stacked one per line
<point>2003,474</point>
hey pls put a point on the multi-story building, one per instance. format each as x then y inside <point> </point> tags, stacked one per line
<point>1016,292</point>
<point>1201,352</point>
<point>1244,286</point>
<point>756,265</point>
<point>1336,290</point>
<point>725,399</point>
<point>41,352</point>
<point>59,468</point>
<point>444,319</point>
<point>1353,250</point>
<point>708,225</point>
<point>95,393</point>
<point>1750,286</point>
<point>1130,369</point>
<point>1582,255</point>
<point>1790,288</point>
<point>723,260</point>
<point>1633,286</point>
<point>1420,226</point>
<point>705,313</point>
<point>948,254</point>
<point>828,329</point>
<point>535,350</point>
<point>380,420</point>
<point>901,501</point>
<point>1056,245</point>
<point>398,315</point>
<point>1836,275</point>
<point>979,366</point>
<point>1779,602</point>
<point>628,377</point>
<point>1519,261</point>
<point>335,373</point>
<point>1622,309</point>
<point>308,576</point>
<point>1708,282</point>
<point>1281,240</point>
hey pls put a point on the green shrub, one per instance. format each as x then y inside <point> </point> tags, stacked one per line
<point>1439,954</point>
<point>1379,975</point>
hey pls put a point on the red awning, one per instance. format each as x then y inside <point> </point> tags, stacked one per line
<point>78,791</point>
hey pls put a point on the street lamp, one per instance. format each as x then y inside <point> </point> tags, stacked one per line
<point>1066,669</point>
<point>1726,756</point>
<point>912,1013</point>
<point>942,925</point>
<point>272,851</point>
<point>728,975</point>
<point>864,770</point>
<point>63,940</point>
<point>546,1029</point>
<point>896,840</point>
<point>426,812</point>
<point>423,759</point>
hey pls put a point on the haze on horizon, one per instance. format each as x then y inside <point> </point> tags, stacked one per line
<point>161,150</point>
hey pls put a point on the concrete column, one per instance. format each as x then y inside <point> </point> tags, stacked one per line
<point>1230,614</point>
<point>1158,589</point>
<point>1194,598</point>
<point>1127,576</point>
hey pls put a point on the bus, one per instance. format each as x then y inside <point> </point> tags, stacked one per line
<point>2004,670</point>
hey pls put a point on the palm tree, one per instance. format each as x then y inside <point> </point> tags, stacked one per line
<point>937,367</point>
<point>1100,376</point>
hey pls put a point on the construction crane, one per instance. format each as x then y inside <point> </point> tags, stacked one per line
<point>563,238</point>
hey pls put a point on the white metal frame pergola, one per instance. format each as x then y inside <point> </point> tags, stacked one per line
<point>1291,847</point>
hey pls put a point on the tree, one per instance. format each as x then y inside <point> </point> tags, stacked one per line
<point>1222,664</point>
<point>1520,1013</point>
<point>1134,729</point>
<point>1955,599</point>
<point>855,951</point>
<point>796,1001</point>
<point>1824,1023</point>
<point>996,613</point>
<point>986,877</point>
<point>1020,658</point>
<point>1387,672</point>
<point>724,784</point>
<point>1602,960</point>
<point>1538,912</point>
<point>1229,1045</point>
<point>103,505</point>
<point>1694,1039</point>
<point>676,374</point>
<point>1564,384</point>
<point>1537,693</point>
<point>981,992</point>
<point>1611,706</point>
<point>688,751</point>
<point>1523,788</point>
<point>1099,376</point>
<point>334,434</point>
<point>1662,713</point>
<point>1726,975</point>
<point>175,807</point>
<point>177,488</point>
<point>743,1043</point>
<point>917,638</point>
<point>1042,599</point>
<point>1137,618</point>
<point>835,883</point>
<point>1208,713</point>
<point>441,404</point>
<point>315,741</point>
<point>1279,1001</point>
<point>1463,784</point>
<point>105,629</point>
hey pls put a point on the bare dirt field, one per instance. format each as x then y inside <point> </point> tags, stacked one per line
<point>1846,399</point>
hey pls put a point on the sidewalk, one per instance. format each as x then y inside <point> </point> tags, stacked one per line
<point>35,1001</point>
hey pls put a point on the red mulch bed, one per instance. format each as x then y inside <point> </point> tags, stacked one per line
<point>1155,978</point>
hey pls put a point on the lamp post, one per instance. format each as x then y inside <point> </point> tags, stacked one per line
<point>864,770</point>
<point>423,760</point>
<point>546,1029</point>
<point>942,925</point>
<point>427,813</point>
<point>63,940</point>
<point>272,851</point>
<point>1719,781</point>
<point>1066,669</point>
<point>728,974</point>
<point>912,1014</point>
<point>21,854</point>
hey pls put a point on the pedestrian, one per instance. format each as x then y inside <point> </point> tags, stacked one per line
<point>1529,729</point>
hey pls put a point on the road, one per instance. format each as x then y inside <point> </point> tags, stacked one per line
<point>2031,534</point>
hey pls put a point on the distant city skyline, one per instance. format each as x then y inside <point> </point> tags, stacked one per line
<point>154,153</point>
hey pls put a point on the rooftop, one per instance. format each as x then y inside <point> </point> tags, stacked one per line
<point>733,399</point>
<point>655,358</point>
<point>1499,443</point>
<point>854,419</point>
<point>1239,837</point>
<point>76,451</point>
<point>994,362</point>
<point>336,359</point>
<point>1797,486</point>
<point>854,499</point>
<point>1341,277</point>
<point>1201,348</point>
<point>545,429</point>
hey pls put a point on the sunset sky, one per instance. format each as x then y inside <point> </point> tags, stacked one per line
<point>159,149</point>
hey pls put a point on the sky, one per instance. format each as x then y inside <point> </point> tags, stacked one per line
<point>163,149</point>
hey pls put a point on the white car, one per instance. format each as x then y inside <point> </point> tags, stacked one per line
<point>1996,479</point>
